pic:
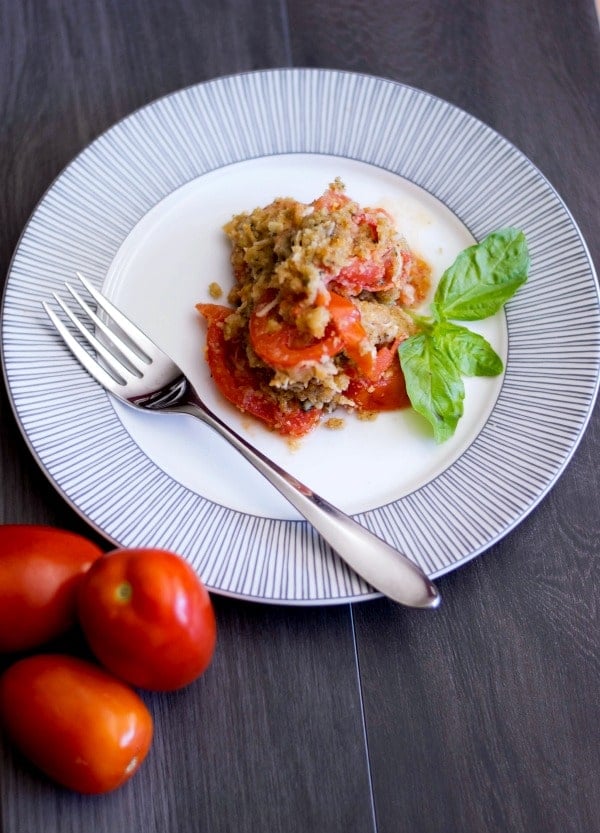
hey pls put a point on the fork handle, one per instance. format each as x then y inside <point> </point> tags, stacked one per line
<point>383,567</point>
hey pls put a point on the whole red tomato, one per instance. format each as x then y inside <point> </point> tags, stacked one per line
<point>76,722</point>
<point>148,618</point>
<point>40,570</point>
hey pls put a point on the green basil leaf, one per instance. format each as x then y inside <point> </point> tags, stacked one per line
<point>483,277</point>
<point>472,354</point>
<point>433,383</point>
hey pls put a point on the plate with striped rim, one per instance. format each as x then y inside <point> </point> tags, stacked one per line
<point>140,212</point>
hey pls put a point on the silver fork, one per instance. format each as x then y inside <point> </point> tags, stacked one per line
<point>136,371</point>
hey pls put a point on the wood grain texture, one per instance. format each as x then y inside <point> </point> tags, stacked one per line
<point>483,717</point>
<point>271,738</point>
<point>528,70</point>
<point>479,718</point>
<point>69,70</point>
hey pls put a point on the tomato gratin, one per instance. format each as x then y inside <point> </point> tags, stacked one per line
<point>317,312</point>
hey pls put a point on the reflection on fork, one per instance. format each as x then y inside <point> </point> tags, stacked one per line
<point>131,367</point>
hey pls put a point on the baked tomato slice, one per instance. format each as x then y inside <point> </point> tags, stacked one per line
<point>368,273</point>
<point>385,357</point>
<point>282,346</point>
<point>331,200</point>
<point>237,382</point>
<point>346,318</point>
<point>361,274</point>
<point>385,388</point>
<point>388,393</point>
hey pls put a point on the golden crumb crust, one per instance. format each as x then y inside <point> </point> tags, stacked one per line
<point>321,298</point>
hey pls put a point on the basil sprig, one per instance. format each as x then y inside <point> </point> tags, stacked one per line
<point>478,284</point>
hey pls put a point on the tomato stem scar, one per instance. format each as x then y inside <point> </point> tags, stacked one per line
<point>123,592</point>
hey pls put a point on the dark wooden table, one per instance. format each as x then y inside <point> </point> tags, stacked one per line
<point>480,717</point>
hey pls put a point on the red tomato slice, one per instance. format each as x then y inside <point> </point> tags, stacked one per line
<point>373,275</point>
<point>385,357</point>
<point>346,317</point>
<point>360,274</point>
<point>238,384</point>
<point>285,347</point>
<point>330,201</point>
<point>388,393</point>
<point>214,313</point>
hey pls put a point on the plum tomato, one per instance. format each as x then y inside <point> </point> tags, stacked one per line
<point>76,722</point>
<point>40,570</point>
<point>148,618</point>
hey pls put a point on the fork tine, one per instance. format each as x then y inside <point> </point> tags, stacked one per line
<point>130,355</point>
<point>122,372</point>
<point>92,366</point>
<point>139,338</point>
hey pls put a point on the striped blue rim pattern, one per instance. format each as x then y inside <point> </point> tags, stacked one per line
<point>553,364</point>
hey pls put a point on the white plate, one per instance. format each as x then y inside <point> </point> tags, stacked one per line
<point>140,212</point>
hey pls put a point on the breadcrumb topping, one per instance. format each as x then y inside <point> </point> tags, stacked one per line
<point>288,256</point>
<point>320,303</point>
